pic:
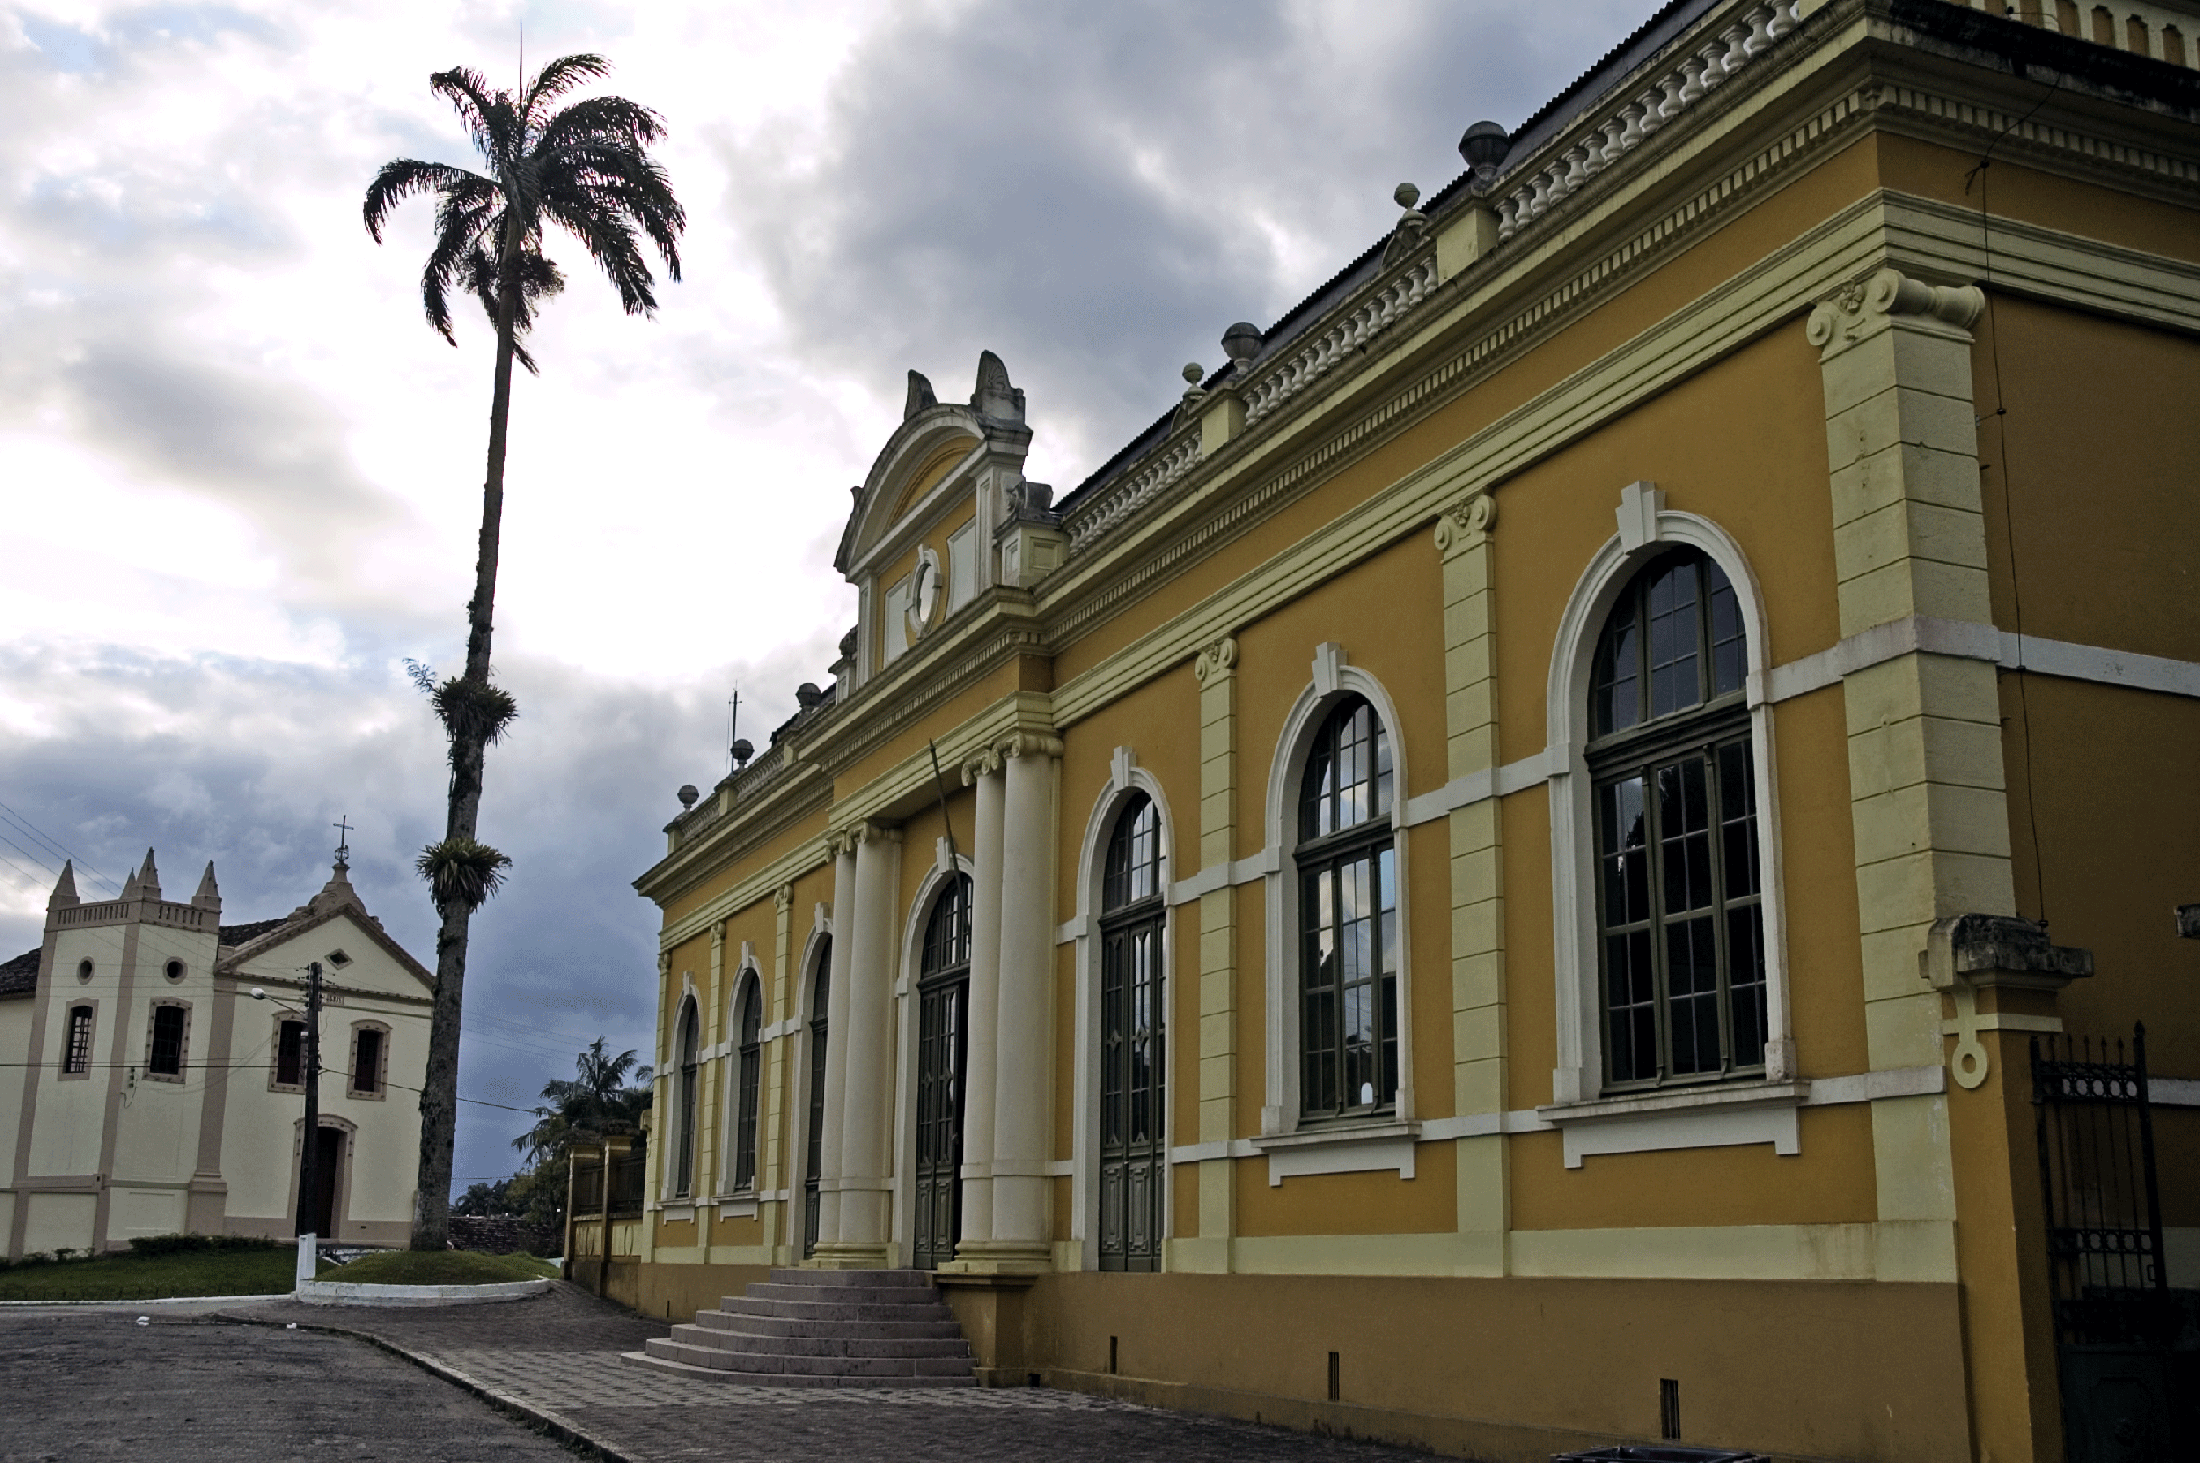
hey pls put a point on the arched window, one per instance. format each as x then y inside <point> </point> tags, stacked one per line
<point>943,1001</point>
<point>1348,919</point>
<point>813,1150</point>
<point>1133,1058</point>
<point>1679,900</point>
<point>750,1019</point>
<point>683,1133</point>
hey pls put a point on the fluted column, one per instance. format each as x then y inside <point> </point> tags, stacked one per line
<point>980,1085</point>
<point>864,1229</point>
<point>1023,1098</point>
<point>836,1047</point>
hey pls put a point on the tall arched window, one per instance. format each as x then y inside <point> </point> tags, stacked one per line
<point>1679,899</point>
<point>814,1144</point>
<point>943,1006</point>
<point>749,1020</point>
<point>683,1136</point>
<point>1348,919</point>
<point>1133,1059</point>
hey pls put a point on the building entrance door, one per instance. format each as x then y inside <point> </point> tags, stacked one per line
<point>943,1011</point>
<point>1132,1036</point>
<point>814,1148</point>
<point>326,1161</point>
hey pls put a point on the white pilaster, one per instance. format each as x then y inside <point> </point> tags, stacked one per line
<point>1022,1108</point>
<point>829,1160</point>
<point>980,1085</point>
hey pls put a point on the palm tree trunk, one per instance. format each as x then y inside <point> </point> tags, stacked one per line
<point>439,1088</point>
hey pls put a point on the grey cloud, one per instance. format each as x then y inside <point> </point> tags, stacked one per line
<point>1095,191</point>
<point>249,763</point>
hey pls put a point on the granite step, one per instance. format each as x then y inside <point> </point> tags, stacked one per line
<point>705,1361</point>
<point>852,1328</point>
<point>760,1325</point>
<point>869,1346</point>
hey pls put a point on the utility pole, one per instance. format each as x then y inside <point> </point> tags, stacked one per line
<point>309,1158</point>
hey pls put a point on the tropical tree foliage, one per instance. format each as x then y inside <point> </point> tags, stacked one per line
<point>585,167</point>
<point>605,1099</point>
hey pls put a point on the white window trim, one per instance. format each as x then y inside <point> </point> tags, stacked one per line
<point>1653,1120</point>
<point>902,1196</point>
<point>1333,679</point>
<point>1125,777</point>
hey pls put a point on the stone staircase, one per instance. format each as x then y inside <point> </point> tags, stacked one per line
<point>827,1328</point>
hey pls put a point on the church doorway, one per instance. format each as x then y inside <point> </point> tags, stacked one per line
<point>943,1018</point>
<point>328,1164</point>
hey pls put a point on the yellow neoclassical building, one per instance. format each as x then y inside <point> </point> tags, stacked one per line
<point>1568,849</point>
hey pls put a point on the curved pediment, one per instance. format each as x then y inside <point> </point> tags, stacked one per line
<point>933,441</point>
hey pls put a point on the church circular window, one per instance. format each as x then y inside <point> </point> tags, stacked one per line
<point>174,970</point>
<point>84,970</point>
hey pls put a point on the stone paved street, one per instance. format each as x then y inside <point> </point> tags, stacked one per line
<point>561,1356</point>
<point>96,1385</point>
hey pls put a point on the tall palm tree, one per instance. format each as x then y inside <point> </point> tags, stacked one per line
<point>586,168</point>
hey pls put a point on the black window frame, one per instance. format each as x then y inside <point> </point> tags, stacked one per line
<point>1133,1116</point>
<point>290,1053</point>
<point>943,1068</point>
<point>165,1054</point>
<point>821,985</point>
<point>687,1042</point>
<point>1677,838</point>
<point>1327,851</point>
<point>749,1023</point>
<point>369,1078</point>
<point>76,1049</point>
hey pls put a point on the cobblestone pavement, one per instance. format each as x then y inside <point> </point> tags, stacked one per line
<point>562,1358</point>
<point>96,1385</point>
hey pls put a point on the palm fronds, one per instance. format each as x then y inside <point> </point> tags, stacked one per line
<point>584,167</point>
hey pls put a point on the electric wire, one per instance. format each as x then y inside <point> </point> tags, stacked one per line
<point>2000,413</point>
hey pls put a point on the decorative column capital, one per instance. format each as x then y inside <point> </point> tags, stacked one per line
<point>1466,524</point>
<point>1216,661</point>
<point>869,832</point>
<point>783,898</point>
<point>1028,744</point>
<point>717,935</point>
<point>664,964</point>
<point>982,763</point>
<point>1862,304</point>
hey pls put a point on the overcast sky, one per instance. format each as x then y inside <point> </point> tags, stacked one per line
<point>242,475</point>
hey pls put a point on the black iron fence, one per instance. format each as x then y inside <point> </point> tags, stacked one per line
<point>2126,1343</point>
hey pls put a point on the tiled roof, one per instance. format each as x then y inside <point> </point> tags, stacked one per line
<point>20,974</point>
<point>234,935</point>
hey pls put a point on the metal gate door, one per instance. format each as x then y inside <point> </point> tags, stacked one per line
<point>940,1054</point>
<point>2122,1337</point>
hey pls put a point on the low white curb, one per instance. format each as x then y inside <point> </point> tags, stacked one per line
<point>340,1293</point>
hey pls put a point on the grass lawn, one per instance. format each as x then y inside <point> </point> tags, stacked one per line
<point>152,1277</point>
<point>446,1267</point>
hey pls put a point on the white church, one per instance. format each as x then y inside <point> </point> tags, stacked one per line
<point>153,1070</point>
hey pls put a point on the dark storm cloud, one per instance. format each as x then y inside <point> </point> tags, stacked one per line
<point>249,763</point>
<point>1097,192</point>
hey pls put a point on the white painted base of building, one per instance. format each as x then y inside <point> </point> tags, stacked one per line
<point>338,1293</point>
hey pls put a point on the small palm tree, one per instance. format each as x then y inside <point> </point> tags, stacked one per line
<point>586,168</point>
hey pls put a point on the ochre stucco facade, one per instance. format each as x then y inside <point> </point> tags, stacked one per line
<point>1939,443</point>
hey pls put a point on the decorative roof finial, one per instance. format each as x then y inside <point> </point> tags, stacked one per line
<point>64,889</point>
<point>343,842</point>
<point>209,895</point>
<point>1412,224</point>
<point>920,397</point>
